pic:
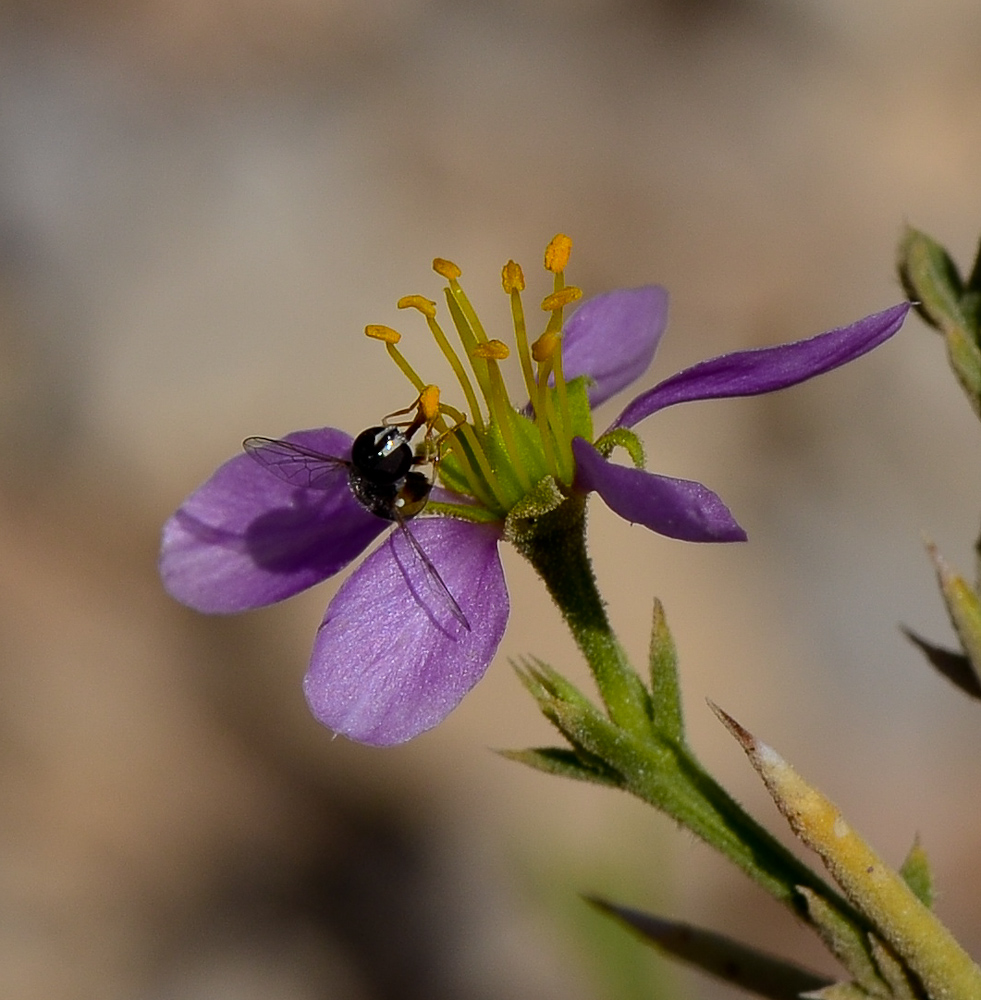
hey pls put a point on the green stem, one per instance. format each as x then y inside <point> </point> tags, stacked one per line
<point>656,768</point>
<point>555,545</point>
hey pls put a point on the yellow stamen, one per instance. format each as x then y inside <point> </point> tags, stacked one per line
<point>547,346</point>
<point>390,338</point>
<point>512,277</point>
<point>561,298</point>
<point>493,350</point>
<point>547,351</point>
<point>446,269</point>
<point>429,404</point>
<point>453,439</point>
<point>420,302</point>
<point>410,302</point>
<point>469,330</point>
<point>426,412</point>
<point>557,253</point>
<point>466,432</point>
<point>500,405</point>
<point>564,430</point>
<point>513,280</point>
<point>384,333</point>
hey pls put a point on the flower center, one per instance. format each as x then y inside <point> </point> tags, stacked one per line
<point>497,454</point>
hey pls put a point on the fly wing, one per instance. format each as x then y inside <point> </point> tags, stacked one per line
<point>296,464</point>
<point>438,590</point>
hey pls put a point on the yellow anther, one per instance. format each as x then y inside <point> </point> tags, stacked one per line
<point>557,253</point>
<point>492,350</point>
<point>420,302</point>
<point>429,404</point>
<point>385,333</point>
<point>547,346</point>
<point>446,269</point>
<point>512,277</point>
<point>561,298</point>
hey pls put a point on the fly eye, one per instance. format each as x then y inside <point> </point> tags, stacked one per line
<point>381,454</point>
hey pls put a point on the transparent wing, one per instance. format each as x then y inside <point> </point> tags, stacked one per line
<point>438,590</point>
<point>296,464</point>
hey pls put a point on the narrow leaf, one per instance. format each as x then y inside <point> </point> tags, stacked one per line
<point>917,875</point>
<point>666,700</point>
<point>931,279</point>
<point>838,991</point>
<point>851,947</point>
<point>920,940</point>
<point>963,606</point>
<point>893,972</point>
<point>565,764</point>
<point>964,357</point>
<point>720,956</point>
<point>956,667</point>
<point>974,281</point>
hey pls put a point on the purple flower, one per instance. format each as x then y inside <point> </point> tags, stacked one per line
<point>392,658</point>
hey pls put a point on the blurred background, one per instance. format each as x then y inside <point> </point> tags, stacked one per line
<point>202,203</point>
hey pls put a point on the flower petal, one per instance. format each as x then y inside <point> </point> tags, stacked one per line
<point>246,538</point>
<point>748,373</point>
<point>678,508</point>
<point>390,660</point>
<point>612,338</point>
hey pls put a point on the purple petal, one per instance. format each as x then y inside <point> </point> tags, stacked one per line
<point>748,373</point>
<point>246,538</point>
<point>677,508</point>
<point>612,338</point>
<point>391,660</point>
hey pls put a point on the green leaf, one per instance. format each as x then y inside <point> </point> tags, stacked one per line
<point>963,606</point>
<point>964,357</point>
<point>894,973</point>
<point>974,282</point>
<point>931,279</point>
<point>720,956</point>
<point>565,764</point>
<point>913,933</point>
<point>916,873</point>
<point>666,692</point>
<point>850,946</point>
<point>955,667</point>
<point>840,991</point>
